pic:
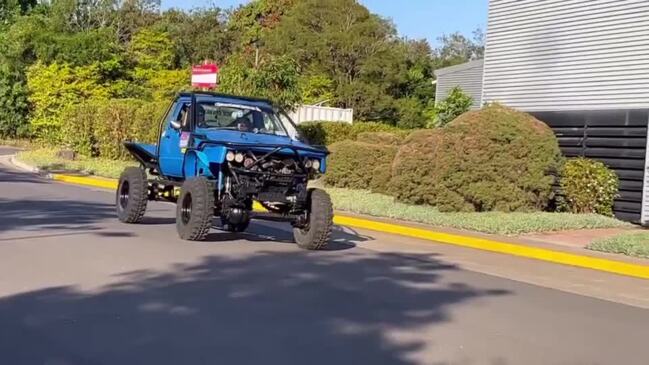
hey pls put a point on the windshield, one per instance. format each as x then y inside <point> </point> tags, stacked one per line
<point>238,117</point>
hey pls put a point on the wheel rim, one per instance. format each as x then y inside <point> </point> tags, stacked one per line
<point>123,194</point>
<point>186,209</point>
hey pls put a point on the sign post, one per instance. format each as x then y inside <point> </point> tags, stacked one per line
<point>205,76</point>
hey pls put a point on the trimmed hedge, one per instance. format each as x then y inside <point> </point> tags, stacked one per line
<point>493,159</point>
<point>588,186</point>
<point>382,138</point>
<point>354,164</point>
<point>98,128</point>
<point>327,133</point>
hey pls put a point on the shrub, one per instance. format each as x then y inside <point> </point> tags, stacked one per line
<point>414,166</point>
<point>454,105</point>
<point>493,159</point>
<point>353,164</point>
<point>99,127</point>
<point>588,186</point>
<point>382,138</point>
<point>327,133</point>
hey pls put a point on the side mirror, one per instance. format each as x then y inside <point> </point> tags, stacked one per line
<point>175,124</point>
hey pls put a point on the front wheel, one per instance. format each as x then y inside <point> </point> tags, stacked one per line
<point>132,195</point>
<point>195,209</point>
<point>315,234</point>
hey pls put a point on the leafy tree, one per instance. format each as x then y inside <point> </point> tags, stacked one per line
<point>14,105</point>
<point>152,49</point>
<point>456,48</point>
<point>274,78</point>
<point>252,20</point>
<point>55,87</point>
<point>316,89</point>
<point>198,35</point>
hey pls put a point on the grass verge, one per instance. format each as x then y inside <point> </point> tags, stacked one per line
<point>631,244</point>
<point>46,159</point>
<point>365,202</point>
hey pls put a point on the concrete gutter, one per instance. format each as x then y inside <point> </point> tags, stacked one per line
<point>636,270</point>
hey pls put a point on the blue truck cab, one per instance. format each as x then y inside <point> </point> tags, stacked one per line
<point>217,154</point>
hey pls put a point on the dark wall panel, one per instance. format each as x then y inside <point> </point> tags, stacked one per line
<point>618,138</point>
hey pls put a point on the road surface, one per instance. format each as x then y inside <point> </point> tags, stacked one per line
<point>78,287</point>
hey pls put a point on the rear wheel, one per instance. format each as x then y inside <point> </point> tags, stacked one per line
<point>315,234</point>
<point>195,209</point>
<point>132,195</point>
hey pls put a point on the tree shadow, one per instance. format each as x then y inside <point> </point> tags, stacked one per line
<point>38,215</point>
<point>271,308</point>
<point>9,176</point>
<point>259,231</point>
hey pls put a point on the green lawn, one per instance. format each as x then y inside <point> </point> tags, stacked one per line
<point>365,202</point>
<point>631,244</point>
<point>45,158</point>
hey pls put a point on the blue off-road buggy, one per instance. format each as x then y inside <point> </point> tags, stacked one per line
<point>215,156</point>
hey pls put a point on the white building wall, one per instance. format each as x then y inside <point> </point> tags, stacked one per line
<point>568,54</point>
<point>468,76</point>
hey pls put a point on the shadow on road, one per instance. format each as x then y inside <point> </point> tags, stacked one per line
<point>35,215</point>
<point>271,308</point>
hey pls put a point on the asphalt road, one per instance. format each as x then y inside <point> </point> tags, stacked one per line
<point>78,287</point>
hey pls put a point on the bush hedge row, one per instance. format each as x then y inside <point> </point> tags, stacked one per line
<point>495,159</point>
<point>327,133</point>
<point>121,120</point>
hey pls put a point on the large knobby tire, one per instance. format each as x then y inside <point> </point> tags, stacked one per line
<point>132,195</point>
<point>195,209</point>
<point>315,235</point>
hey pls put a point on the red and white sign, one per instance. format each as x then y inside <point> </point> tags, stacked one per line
<point>205,76</point>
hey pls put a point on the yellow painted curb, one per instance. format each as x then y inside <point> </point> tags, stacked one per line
<point>617,267</point>
<point>87,181</point>
<point>558,257</point>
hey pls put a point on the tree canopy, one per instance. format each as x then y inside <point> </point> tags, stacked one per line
<point>333,52</point>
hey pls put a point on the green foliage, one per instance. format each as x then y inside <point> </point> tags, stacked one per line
<point>47,159</point>
<point>55,87</point>
<point>455,104</point>
<point>152,49</point>
<point>316,89</point>
<point>122,120</point>
<point>493,159</point>
<point>631,244</point>
<point>381,138</point>
<point>327,133</point>
<point>588,186</point>
<point>370,68</point>
<point>410,111</point>
<point>14,105</point>
<point>275,79</point>
<point>380,205</point>
<point>352,164</point>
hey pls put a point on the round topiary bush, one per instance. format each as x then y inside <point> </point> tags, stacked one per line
<point>353,164</point>
<point>588,186</point>
<point>382,138</point>
<point>413,168</point>
<point>496,158</point>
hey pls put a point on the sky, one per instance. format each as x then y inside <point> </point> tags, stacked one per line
<point>414,19</point>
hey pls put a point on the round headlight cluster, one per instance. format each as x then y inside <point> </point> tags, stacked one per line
<point>231,156</point>
<point>312,163</point>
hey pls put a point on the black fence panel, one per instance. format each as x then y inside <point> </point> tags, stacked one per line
<point>618,138</point>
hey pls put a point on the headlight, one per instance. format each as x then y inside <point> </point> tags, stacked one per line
<point>308,163</point>
<point>316,164</point>
<point>238,157</point>
<point>229,156</point>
